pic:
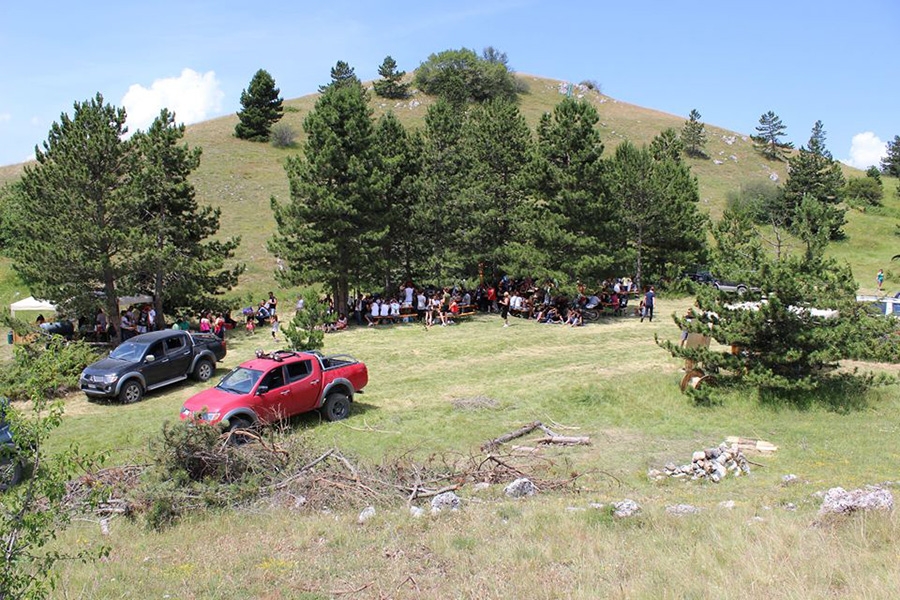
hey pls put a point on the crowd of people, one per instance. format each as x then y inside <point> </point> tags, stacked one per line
<point>429,305</point>
<point>523,298</point>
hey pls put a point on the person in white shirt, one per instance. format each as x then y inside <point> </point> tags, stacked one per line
<point>395,309</point>
<point>408,293</point>
<point>373,315</point>
<point>384,309</point>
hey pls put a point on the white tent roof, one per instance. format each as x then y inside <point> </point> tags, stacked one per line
<point>140,299</point>
<point>31,303</point>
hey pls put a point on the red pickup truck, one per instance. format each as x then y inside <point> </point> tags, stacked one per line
<point>279,385</point>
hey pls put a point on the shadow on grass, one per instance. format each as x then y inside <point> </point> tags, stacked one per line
<point>314,418</point>
<point>841,394</point>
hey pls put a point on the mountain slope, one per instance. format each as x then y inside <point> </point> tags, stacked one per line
<point>241,177</point>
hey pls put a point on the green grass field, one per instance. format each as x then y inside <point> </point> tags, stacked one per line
<point>611,382</point>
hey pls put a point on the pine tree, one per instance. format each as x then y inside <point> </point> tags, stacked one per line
<point>75,220</point>
<point>770,132</point>
<point>780,345</point>
<point>657,207</point>
<point>439,215</point>
<point>390,86</point>
<point>497,143</point>
<point>400,159</point>
<point>813,172</point>
<point>890,164</point>
<point>179,264</point>
<point>693,135</point>
<point>260,108</point>
<point>341,74</point>
<point>666,145</point>
<point>332,225</point>
<point>566,231</point>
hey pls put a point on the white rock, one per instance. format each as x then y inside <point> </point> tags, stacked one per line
<point>680,510</point>
<point>416,512</point>
<point>727,504</point>
<point>626,508</point>
<point>445,501</point>
<point>520,488</point>
<point>789,479</point>
<point>366,514</point>
<point>698,456</point>
<point>480,486</point>
<point>840,501</point>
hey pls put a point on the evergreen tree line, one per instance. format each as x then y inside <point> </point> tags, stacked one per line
<point>102,216</point>
<point>474,193</point>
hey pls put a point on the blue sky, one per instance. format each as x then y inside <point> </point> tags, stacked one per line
<point>733,61</point>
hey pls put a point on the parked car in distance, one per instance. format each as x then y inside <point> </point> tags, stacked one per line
<point>150,361</point>
<point>10,462</point>
<point>275,386</point>
<point>737,288</point>
<point>704,276</point>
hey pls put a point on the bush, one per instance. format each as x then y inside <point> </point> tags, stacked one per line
<point>49,362</point>
<point>282,135</point>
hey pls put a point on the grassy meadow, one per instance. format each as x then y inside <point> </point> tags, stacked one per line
<point>611,382</point>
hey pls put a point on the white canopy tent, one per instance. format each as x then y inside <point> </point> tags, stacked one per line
<point>31,304</point>
<point>129,300</point>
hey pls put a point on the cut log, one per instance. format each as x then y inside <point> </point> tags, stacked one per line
<point>511,436</point>
<point>565,440</point>
<point>752,445</point>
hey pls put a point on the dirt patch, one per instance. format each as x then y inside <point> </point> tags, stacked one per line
<point>474,403</point>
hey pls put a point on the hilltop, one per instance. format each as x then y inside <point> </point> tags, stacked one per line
<point>241,177</point>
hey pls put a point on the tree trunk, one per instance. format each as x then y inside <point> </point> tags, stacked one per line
<point>638,264</point>
<point>157,300</point>
<point>112,306</point>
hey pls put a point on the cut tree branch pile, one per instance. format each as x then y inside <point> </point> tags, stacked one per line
<point>298,476</point>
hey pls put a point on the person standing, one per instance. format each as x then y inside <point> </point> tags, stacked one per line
<point>504,309</point>
<point>649,301</point>
<point>879,279</point>
<point>275,325</point>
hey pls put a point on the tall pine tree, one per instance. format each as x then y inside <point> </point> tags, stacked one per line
<point>332,227</point>
<point>74,219</point>
<point>497,141</point>
<point>179,264</point>
<point>260,108</point>
<point>813,172</point>
<point>567,231</point>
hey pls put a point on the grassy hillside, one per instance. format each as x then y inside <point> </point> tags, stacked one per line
<point>241,177</point>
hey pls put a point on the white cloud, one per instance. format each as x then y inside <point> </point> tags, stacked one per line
<point>5,117</point>
<point>191,96</point>
<point>866,150</point>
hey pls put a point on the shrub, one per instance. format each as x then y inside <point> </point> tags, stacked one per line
<point>283,135</point>
<point>49,362</point>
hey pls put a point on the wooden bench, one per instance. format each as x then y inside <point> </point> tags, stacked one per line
<point>403,317</point>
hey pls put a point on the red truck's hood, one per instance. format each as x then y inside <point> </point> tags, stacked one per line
<point>213,400</point>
